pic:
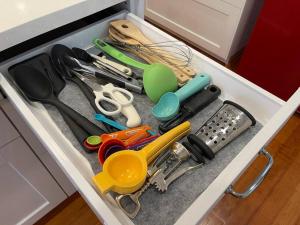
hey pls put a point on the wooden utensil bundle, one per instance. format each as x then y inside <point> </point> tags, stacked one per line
<point>128,37</point>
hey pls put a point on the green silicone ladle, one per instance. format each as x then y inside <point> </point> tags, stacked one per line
<point>158,79</point>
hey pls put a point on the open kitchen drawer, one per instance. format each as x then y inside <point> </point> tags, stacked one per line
<point>268,110</point>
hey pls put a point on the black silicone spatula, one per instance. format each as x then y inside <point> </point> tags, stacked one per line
<point>38,87</point>
<point>42,63</point>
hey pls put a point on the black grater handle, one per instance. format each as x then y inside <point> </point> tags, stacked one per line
<point>195,151</point>
<point>170,124</point>
<point>194,140</point>
<point>201,100</point>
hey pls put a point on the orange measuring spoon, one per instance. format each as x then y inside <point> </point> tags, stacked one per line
<point>125,171</point>
<point>122,138</point>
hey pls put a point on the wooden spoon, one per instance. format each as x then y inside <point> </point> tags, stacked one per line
<point>128,29</point>
<point>115,35</point>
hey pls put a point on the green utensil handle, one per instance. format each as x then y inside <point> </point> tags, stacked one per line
<point>192,86</point>
<point>118,55</point>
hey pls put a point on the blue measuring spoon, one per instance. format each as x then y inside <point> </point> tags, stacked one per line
<point>113,123</point>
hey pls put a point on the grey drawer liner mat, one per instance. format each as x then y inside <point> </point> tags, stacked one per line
<point>159,208</point>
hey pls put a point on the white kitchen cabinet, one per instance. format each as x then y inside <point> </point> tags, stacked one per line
<point>219,27</point>
<point>269,110</point>
<point>8,132</point>
<point>27,190</point>
<point>35,145</point>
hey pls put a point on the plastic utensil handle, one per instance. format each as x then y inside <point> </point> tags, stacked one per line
<point>83,122</point>
<point>192,86</point>
<point>175,121</point>
<point>111,90</point>
<point>118,55</point>
<point>201,100</point>
<point>86,90</point>
<point>152,150</point>
<point>118,66</point>
<point>100,98</point>
<point>134,87</point>
<point>77,131</point>
<point>110,79</point>
<point>103,182</point>
<point>133,118</point>
<point>194,140</point>
<point>113,123</point>
<point>88,93</point>
<point>111,69</point>
<point>195,151</point>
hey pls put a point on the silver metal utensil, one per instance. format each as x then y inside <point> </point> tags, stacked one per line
<point>224,126</point>
<point>165,176</point>
<point>77,65</point>
<point>161,173</point>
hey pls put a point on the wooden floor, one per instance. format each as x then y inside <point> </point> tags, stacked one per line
<point>276,201</point>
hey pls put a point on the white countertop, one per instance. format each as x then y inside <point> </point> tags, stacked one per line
<point>25,19</point>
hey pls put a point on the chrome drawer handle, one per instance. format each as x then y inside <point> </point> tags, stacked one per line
<point>258,179</point>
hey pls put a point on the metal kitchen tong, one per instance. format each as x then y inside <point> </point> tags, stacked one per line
<point>161,173</point>
<point>103,71</point>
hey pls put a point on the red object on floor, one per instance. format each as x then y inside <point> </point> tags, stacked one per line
<point>272,57</point>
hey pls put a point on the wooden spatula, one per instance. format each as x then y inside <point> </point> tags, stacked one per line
<point>114,35</point>
<point>128,29</point>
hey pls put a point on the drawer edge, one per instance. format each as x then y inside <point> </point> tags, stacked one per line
<point>215,191</point>
<point>274,103</point>
<point>209,60</point>
<point>86,189</point>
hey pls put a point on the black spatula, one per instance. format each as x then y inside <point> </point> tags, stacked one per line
<point>38,87</point>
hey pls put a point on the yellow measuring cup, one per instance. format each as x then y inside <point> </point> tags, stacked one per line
<point>125,171</point>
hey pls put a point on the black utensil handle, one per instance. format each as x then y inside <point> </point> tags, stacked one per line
<point>194,140</point>
<point>199,101</point>
<point>86,90</point>
<point>193,105</point>
<point>88,93</point>
<point>83,122</point>
<point>77,131</point>
<point>195,151</point>
<point>170,124</point>
<point>110,79</point>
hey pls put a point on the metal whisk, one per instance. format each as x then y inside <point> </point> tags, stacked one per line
<point>173,52</point>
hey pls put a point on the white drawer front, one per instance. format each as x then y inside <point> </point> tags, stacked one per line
<point>236,3</point>
<point>209,24</point>
<point>28,191</point>
<point>30,19</point>
<point>266,108</point>
<point>8,132</point>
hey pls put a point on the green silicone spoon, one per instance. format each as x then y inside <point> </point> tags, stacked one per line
<point>157,78</point>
